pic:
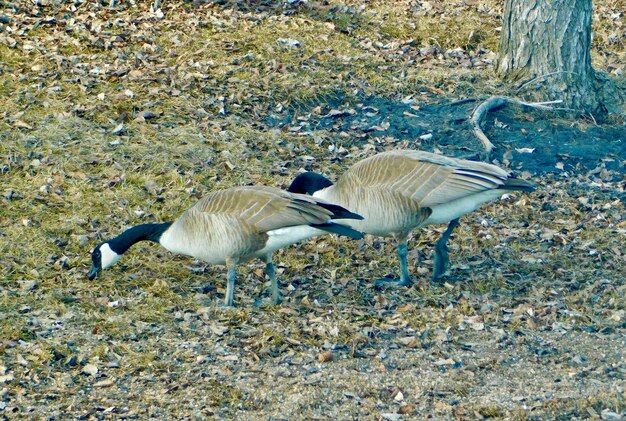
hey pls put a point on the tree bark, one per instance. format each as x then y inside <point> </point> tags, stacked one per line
<point>549,41</point>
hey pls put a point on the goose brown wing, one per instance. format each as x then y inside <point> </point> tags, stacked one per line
<point>427,178</point>
<point>264,208</point>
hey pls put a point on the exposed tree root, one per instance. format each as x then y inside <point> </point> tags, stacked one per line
<point>494,102</point>
<point>462,101</point>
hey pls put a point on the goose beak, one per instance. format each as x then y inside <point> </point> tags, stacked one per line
<point>93,272</point>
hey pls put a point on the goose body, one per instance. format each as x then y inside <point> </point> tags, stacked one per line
<point>401,190</point>
<point>232,226</point>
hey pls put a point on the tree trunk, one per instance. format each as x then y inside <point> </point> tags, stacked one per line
<point>550,40</point>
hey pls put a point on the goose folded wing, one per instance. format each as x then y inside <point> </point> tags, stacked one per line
<point>427,178</point>
<point>265,208</point>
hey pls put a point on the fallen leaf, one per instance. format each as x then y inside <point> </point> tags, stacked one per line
<point>90,369</point>
<point>104,383</point>
<point>22,125</point>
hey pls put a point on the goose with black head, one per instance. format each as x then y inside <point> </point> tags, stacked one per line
<point>232,226</point>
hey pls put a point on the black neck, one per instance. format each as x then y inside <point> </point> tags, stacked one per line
<point>308,183</point>
<point>143,232</point>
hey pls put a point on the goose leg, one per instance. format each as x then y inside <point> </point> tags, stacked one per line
<point>270,270</point>
<point>441,251</point>
<point>405,278</point>
<point>403,251</point>
<point>230,286</point>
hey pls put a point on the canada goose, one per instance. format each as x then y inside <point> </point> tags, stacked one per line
<point>398,191</point>
<point>232,226</point>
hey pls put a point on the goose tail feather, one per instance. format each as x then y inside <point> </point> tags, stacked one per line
<point>339,212</point>
<point>518,184</point>
<point>339,229</point>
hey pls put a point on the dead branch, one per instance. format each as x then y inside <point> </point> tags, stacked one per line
<point>479,113</point>
<point>494,102</point>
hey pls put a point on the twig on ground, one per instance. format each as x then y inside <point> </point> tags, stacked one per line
<point>542,105</point>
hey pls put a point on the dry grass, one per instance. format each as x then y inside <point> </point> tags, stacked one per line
<point>212,76</point>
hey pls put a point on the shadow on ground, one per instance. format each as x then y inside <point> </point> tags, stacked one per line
<point>535,141</point>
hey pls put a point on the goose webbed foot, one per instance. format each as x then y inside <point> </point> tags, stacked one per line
<point>405,278</point>
<point>393,282</point>
<point>277,300</point>
<point>268,301</point>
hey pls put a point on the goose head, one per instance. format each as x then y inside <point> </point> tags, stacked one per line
<point>102,257</point>
<point>308,183</point>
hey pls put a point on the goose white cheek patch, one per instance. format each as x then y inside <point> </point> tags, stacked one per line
<point>109,257</point>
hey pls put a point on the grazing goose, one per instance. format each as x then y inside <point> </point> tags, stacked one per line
<point>398,191</point>
<point>232,226</point>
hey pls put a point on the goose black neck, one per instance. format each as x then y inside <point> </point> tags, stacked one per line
<point>308,183</point>
<point>143,232</point>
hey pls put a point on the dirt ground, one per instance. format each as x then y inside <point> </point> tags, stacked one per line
<point>446,127</point>
<point>529,323</point>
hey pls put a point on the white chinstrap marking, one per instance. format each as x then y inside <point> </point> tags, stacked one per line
<point>324,193</point>
<point>108,257</point>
